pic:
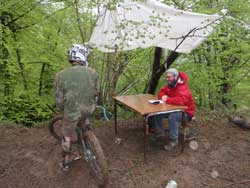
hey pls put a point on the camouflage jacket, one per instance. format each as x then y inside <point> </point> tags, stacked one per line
<point>76,90</point>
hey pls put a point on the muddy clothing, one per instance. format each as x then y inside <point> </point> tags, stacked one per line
<point>76,91</point>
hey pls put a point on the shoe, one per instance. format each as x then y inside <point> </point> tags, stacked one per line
<point>158,137</point>
<point>159,133</point>
<point>66,162</point>
<point>64,166</point>
<point>171,145</point>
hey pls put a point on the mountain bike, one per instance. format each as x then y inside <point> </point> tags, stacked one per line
<point>89,147</point>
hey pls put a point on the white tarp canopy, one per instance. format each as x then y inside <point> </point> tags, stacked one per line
<point>131,25</point>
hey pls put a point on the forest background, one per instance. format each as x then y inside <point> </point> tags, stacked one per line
<point>36,34</point>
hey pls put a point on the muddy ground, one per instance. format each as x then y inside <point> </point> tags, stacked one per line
<point>29,158</point>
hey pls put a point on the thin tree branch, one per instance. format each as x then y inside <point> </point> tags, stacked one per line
<point>24,27</point>
<point>193,31</point>
<point>37,62</point>
<point>26,12</point>
<point>79,20</point>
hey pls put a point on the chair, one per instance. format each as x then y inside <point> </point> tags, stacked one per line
<point>192,129</point>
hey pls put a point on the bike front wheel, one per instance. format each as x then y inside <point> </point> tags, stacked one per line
<point>95,157</point>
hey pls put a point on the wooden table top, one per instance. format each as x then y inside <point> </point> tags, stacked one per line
<point>140,104</point>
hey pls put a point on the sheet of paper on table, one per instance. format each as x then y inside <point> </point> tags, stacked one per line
<point>155,101</point>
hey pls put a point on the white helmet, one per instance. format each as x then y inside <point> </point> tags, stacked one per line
<point>79,53</point>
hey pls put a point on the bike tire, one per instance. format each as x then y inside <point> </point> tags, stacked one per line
<point>97,161</point>
<point>55,127</point>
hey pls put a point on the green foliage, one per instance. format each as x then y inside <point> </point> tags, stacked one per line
<point>33,46</point>
<point>35,36</point>
<point>219,69</point>
<point>25,109</point>
<point>136,73</point>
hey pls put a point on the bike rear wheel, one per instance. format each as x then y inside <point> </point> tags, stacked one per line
<point>55,127</point>
<point>95,158</point>
<point>95,155</point>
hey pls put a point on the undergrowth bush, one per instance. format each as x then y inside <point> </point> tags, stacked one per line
<point>24,109</point>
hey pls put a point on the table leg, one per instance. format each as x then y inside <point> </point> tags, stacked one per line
<point>115,111</point>
<point>182,131</point>
<point>145,129</point>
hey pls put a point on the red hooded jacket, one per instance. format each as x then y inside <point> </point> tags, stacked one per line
<point>179,95</point>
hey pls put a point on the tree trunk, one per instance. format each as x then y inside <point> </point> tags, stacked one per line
<point>78,19</point>
<point>114,68</point>
<point>46,65</point>
<point>5,73</point>
<point>21,65</point>
<point>240,121</point>
<point>225,90</point>
<point>159,69</point>
<point>155,76</point>
<point>41,79</point>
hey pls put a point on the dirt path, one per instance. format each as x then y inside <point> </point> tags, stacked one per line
<point>29,158</point>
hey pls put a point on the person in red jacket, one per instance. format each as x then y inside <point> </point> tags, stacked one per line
<point>175,92</point>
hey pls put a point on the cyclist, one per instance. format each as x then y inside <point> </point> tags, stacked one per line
<point>76,91</point>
